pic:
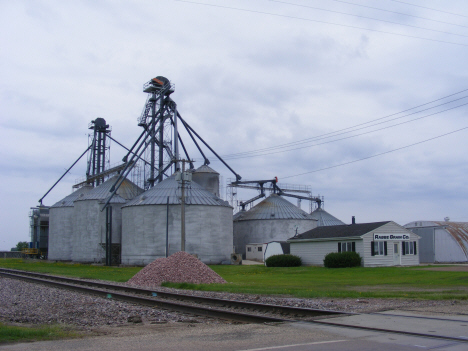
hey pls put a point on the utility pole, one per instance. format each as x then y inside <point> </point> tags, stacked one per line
<point>182,209</point>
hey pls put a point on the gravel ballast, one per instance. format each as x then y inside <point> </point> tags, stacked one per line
<point>29,303</point>
<point>23,302</point>
<point>180,267</point>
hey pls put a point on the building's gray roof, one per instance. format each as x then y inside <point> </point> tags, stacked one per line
<point>205,169</point>
<point>273,207</point>
<point>126,191</point>
<point>194,195</point>
<point>339,231</point>
<point>324,218</point>
<point>68,200</point>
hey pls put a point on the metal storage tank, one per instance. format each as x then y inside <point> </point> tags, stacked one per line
<point>441,241</point>
<point>207,178</point>
<point>324,218</point>
<point>273,219</point>
<point>89,234</point>
<point>208,224</point>
<point>61,226</point>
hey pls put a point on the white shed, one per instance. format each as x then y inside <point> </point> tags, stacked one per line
<point>379,244</point>
<point>254,251</point>
<point>275,248</point>
<point>441,241</point>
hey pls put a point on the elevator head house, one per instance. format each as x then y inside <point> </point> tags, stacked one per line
<point>379,244</point>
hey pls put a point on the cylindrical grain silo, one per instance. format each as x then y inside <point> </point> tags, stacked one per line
<point>273,219</point>
<point>324,218</point>
<point>208,178</point>
<point>89,234</point>
<point>208,224</point>
<point>61,226</point>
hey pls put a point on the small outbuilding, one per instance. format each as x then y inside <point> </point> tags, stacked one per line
<point>261,251</point>
<point>276,248</point>
<point>441,242</point>
<point>255,251</point>
<point>379,244</point>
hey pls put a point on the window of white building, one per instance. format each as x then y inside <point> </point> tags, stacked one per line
<point>347,246</point>
<point>379,248</point>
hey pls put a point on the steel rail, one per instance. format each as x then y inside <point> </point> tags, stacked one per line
<point>209,311</point>
<point>269,308</point>
<point>175,306</point>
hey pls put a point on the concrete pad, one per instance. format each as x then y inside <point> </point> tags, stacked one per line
<point>435,327</point>
<point>250,263</point>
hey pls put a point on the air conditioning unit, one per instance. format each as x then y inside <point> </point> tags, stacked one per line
<point>236,258</point>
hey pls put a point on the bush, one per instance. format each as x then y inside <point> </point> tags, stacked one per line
<point>342,260</point>
<point>283,261</point>
<point>22,245</point>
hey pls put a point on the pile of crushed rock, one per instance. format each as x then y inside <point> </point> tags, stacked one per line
<point>180,267</point>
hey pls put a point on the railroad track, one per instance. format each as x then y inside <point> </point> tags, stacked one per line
<point>241,311</point>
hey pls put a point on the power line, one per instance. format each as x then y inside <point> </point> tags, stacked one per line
<point>348,137</point>
<point>376,155</point>
<point>429,8</point>
<point>398,13</point>
<point>330,134</point>
<point>371,18</point>
<point>319,21</point>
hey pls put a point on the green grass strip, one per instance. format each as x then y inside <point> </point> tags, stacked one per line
<point>77,270</point>
<point>10,333</point>
<point>418,282</point>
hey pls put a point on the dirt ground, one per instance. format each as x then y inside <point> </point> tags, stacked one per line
<point>457,268</point>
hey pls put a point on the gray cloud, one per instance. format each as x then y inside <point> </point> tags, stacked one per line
<point>244,81</point>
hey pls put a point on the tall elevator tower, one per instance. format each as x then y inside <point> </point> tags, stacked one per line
<point>157,119</point>
<point>99,151</point>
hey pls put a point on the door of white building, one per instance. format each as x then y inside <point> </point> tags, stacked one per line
<point>396,254</point>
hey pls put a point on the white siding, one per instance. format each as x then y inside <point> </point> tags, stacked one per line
<point>254,254</point>
<point>273,248</point>
<point>313,252</point>
<point>389,228</point>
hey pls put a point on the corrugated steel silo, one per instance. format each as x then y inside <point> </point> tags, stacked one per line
<point>208,223</point>
<point>273,219</point>
<point>89,234</point>
<point>324,218</point>
<point>207,178</point>
<point>61,226</point>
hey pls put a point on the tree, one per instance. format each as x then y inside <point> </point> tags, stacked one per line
<point>21,245</point>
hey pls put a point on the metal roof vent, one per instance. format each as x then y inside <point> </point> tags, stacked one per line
<point>447,219</point>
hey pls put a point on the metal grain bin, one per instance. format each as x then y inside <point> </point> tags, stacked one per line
<point>208,178</point>
<point>61,226</point>
<point>324,218</point>
<point>89,232</point>
<point>208,223</point>
<point>273,219</point>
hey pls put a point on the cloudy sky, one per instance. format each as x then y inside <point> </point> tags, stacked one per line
<point>297,89</point>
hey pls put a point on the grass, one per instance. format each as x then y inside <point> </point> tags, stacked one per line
<point>77,270</point>
<point>308,282</point>
<point>10,333</point>
<point>358,282</point>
